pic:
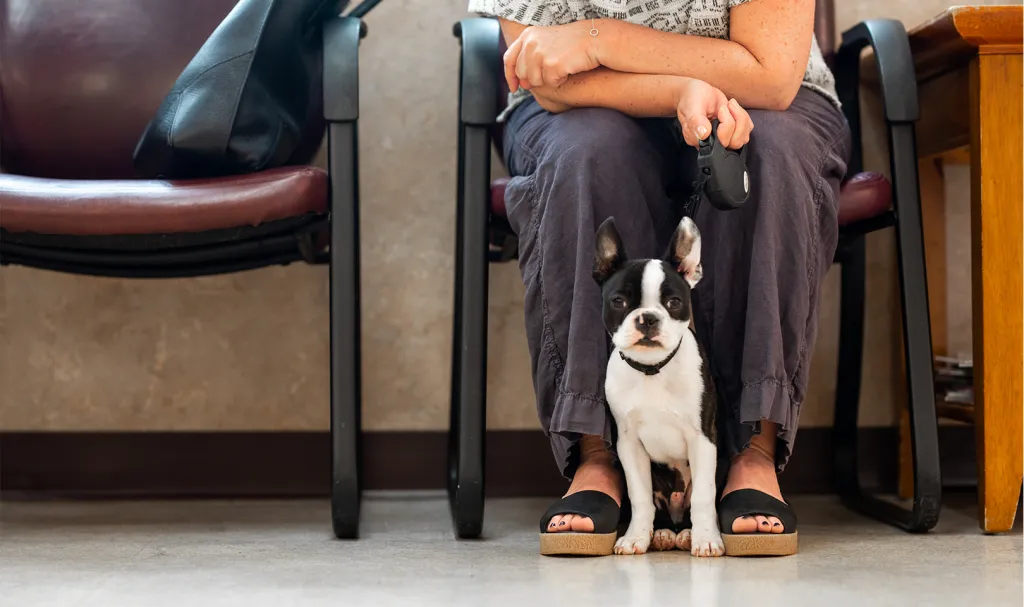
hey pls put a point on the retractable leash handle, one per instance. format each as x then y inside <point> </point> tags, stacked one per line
<point>722,175</point>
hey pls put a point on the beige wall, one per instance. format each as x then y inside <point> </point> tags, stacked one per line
<point>249,351</point>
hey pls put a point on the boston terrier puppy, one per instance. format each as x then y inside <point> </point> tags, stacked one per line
<point>659,389</point>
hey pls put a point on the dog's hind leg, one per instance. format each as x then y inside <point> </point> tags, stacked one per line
<point>665,539</point>
<point>683,540</point>
<point>679,500</point>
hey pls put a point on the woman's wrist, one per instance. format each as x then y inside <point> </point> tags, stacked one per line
<point>680,88</point>
<point>606,32</point>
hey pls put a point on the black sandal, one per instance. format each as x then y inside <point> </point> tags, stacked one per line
<point>598,507</point>
<point>748,502</point>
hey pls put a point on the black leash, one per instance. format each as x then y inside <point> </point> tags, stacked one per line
<point>722,175</point>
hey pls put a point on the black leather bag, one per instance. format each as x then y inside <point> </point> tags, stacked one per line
<point>248,99</point>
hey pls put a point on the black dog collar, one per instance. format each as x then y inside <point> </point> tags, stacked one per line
<point>650,369</point>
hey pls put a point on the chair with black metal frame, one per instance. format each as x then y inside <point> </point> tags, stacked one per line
<point>868,203</point>
<point>70,201</point>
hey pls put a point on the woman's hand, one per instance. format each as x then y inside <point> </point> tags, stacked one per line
<point>547,56</point>
<point>699,102</point>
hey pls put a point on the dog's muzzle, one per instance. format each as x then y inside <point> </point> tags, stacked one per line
<point>647,324</point>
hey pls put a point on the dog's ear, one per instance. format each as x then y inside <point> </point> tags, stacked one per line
<point>684,252</point>
<point>609,254</point>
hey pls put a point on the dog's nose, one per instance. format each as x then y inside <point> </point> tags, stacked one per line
<point>647,323</point>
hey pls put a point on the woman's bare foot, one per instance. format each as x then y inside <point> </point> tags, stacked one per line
<point>596,472</point>
<point>754,468</point>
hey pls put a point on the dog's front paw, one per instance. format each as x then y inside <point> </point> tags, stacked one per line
<point>706,542</point>
<point>633,543</point>
<point>664,539</point>
<point>683,540</point>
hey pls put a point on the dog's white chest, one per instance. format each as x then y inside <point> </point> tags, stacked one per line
<point>663,410</point>
<point>664,436</point>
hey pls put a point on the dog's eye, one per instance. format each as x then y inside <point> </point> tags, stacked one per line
<point>673,304</point>
<point>619,303</point>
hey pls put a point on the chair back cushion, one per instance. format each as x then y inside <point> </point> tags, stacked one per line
<point>80,79</point>
<point>825,27</point>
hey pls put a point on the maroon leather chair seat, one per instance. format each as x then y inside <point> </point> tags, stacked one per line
<point>863,196</point>
<point>124,207</point>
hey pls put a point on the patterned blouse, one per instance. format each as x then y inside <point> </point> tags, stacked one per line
<point>708,18</point>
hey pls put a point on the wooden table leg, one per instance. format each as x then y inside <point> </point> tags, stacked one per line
<point>997,190</point>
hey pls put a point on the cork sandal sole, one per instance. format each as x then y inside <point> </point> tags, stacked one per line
<point>599,508</point>
<point>751,502</point>
<point>760,544</point>
<point>577,544</point>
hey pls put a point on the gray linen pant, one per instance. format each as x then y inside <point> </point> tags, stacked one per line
<point>755,310</point>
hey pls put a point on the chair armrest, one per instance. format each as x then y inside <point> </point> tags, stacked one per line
<point>480,70</point>
<point>363,8</point>
<point>888,38</point>
<point>341,68</point>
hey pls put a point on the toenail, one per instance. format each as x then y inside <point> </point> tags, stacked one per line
<point>765,523</point>
<point>745,517</point>
<point>561,524</point>
<point>777,525</point>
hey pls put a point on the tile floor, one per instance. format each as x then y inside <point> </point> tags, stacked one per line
<point>279,553</point>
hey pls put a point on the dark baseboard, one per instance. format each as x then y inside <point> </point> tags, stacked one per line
<point>297,464</point>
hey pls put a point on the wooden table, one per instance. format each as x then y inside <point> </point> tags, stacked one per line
<point>969,72</point>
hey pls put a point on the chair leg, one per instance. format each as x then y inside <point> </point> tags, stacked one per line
<point>851,356</point>
<point>917,334</point>
<point>927,494</point>
<point>469,346</point>
<point>346,435</point>
<point>919,361</point>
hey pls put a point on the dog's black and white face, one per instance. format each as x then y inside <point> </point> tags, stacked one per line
<point>647,301</point>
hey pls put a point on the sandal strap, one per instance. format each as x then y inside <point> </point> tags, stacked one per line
<point>598,507</point>
<point>747,502</point>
